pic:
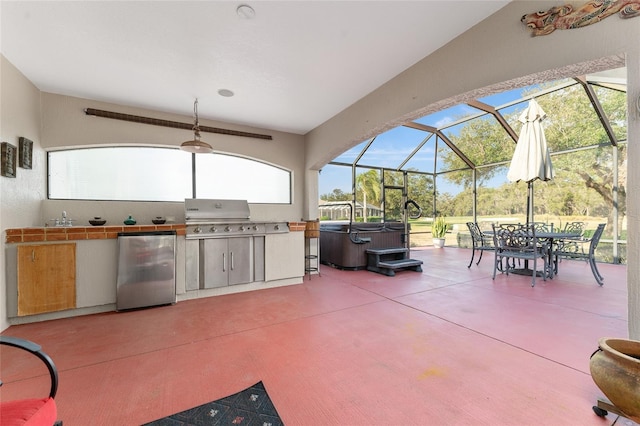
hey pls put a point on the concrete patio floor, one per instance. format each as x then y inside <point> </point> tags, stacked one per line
<point>446,346</point>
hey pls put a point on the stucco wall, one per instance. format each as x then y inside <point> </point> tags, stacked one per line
<point>633,189</point>
<point>65,124</point>
<point>20,198</point>
<point>498,54</point>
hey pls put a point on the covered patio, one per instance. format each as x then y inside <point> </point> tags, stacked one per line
<point>445,346</point>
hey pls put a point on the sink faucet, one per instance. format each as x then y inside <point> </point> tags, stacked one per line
<point>65,221</point>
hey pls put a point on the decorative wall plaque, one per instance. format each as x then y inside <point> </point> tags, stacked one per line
<point>566,17</point>
<point>25,152</point>
<point>8,160</point>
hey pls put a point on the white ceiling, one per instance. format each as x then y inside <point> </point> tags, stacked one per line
<point>292,67</point>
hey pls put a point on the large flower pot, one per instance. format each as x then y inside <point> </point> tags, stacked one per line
<point>438,242</point>
<point>615,368</point>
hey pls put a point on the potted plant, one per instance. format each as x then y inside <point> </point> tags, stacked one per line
<point>439,228</point>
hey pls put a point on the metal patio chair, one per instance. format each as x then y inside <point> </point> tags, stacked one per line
<point>480,242</point>
<point>574,227</point>
<point>34,410</point>
<point>577,251</point>
<point>542,226</point>
<point>572,244</point>
<point>519,242</point>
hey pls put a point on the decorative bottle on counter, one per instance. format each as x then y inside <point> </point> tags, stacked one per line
<point>130,221</point>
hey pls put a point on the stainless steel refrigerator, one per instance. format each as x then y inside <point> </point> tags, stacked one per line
<point>146,269</point>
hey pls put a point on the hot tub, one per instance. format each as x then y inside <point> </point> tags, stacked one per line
<point>338,249</point>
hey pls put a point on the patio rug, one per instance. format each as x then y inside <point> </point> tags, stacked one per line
<point>251,406</point>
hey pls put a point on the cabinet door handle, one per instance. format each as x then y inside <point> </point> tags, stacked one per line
<point>232,267</point>
<point>33,255</point>
<point>224,262</point>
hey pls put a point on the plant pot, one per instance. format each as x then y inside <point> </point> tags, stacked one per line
<point>615,368</point>
<point>438,242</point>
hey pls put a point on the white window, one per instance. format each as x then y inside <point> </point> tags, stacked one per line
<point>120,173</point>
<point>236,178</point>
<point>162,174</point>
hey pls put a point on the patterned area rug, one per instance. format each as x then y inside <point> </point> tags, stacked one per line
<point>251,406</point>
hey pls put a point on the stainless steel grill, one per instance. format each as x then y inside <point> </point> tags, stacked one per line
<point>223,246</point>
<point>212,218</point>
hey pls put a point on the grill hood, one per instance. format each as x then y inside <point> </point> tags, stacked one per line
<point>197,210</point>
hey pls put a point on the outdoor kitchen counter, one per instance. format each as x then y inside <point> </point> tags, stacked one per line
<point>73,233</point>
<point>96,265</point>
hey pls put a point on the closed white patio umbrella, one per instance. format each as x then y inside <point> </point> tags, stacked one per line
<point>531,159</point>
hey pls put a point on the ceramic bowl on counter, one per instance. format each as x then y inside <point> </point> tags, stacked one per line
<point>158,220</point>
<point>97,221</point>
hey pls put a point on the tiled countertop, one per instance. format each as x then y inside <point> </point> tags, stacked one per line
<point>71,233</point>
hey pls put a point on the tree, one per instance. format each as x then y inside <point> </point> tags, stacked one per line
<point>419,189</point>
<point>368,184</point>
<point>574,123</point>
<point>336,195</point>
<point>483,141</point>
<point>584,177</point>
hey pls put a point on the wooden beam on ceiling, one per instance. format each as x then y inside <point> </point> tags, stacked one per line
<point>172,124</point>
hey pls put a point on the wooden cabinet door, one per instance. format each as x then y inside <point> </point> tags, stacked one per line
<point>46,278</point>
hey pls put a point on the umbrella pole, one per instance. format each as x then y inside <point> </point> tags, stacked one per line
<point>529,202</point>
<point>526,270</point>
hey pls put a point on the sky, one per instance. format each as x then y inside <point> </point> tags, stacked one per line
<point>391,148</point>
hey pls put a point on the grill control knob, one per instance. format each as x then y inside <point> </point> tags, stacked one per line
<point>213,229</point>
<point>277,227</point>
<point>227,229</point>
<point>197,230</point>
<point>255,227</point>
<point>242,228</point>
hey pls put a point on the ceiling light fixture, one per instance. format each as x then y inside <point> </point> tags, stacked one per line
<point>245,11</point>
<point>225,92</point>
<point>196,146</point>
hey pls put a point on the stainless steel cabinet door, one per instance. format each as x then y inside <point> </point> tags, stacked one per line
<point>227,261</point>
<point>216,263</point>
<point>258,258</point>
<point>192,264</point>
<point>240,265</point>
